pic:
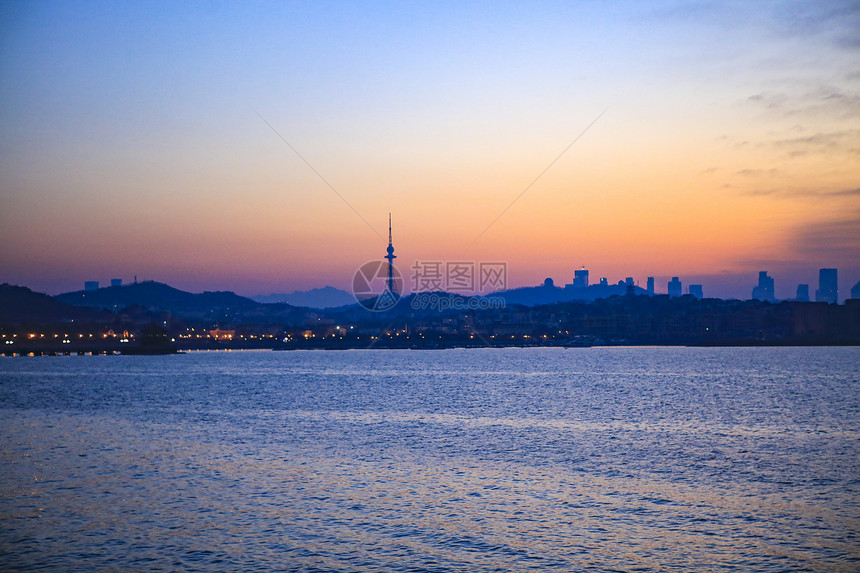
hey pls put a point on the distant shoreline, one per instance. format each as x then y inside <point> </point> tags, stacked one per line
<point>114,350</point>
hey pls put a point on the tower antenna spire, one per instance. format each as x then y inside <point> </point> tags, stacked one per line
<point>390,256</point>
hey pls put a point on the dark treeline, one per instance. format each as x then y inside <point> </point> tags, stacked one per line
<point>140,314</point>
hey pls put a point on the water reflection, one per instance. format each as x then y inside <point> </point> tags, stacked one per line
<point>224,477</point>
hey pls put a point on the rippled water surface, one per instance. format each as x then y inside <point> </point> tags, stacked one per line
<point>629,459</point>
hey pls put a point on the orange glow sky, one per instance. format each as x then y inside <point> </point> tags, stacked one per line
<point>132,145</point>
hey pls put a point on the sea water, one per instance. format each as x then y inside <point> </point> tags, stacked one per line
<point>627,459</point>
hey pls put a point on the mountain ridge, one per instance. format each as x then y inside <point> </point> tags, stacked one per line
<point>323,298</point>
<point>19,304</point>
<point>155,296</point>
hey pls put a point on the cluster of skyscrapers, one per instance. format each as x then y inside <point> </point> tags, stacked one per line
<point>675,287</point>
<point>827,291</point>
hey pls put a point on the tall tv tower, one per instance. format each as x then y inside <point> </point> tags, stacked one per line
<point>390,256</point>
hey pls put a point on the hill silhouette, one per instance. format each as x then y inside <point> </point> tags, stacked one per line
<point>159,297</point>
<point>20,305</point>
<point>221,307</point>
<point>326,297</point>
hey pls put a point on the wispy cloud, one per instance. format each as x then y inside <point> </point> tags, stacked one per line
<point>805,193</point>
<point>831,242</point>
<point>798,141</point>
<point>750,172</point>
<point>817,99</point>
<point>835,100</point>
<point>770,100</point>
<point>829,142</point>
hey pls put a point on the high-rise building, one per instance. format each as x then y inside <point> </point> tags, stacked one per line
<point>115,282</point>
<point>696,291</point>
<point>802,293</point>
<point>604,281</point>
<point>855,291</point>
<point>650,288</point>
<point>764,290</point>
<point>91,285</point>
<point>828,290</point>
<point>580,278</point>
<point>675,287</point>
<point>629,281</point>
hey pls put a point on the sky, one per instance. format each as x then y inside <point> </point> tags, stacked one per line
<point>259,147</point>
